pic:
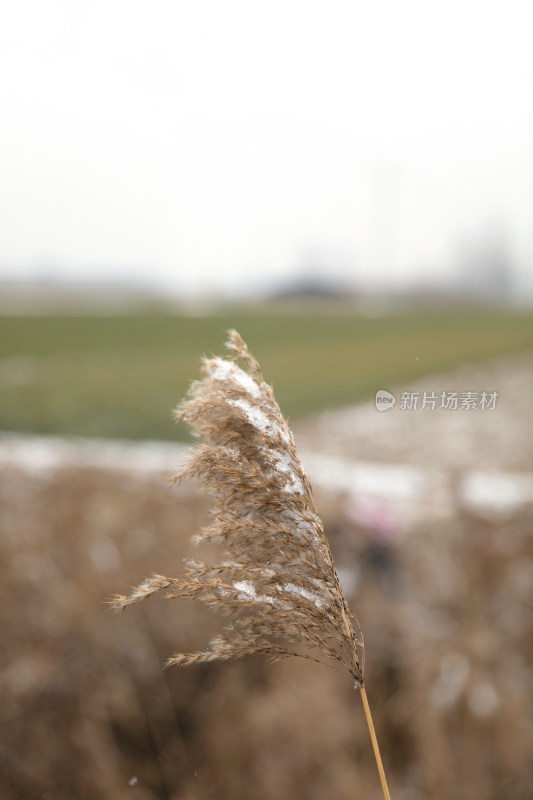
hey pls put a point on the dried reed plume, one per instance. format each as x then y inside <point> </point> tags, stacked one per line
<point>278,584</point>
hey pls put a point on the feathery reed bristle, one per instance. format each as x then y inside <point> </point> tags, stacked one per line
<point>279,582</point>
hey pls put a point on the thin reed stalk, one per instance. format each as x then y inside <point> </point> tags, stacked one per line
<point>375,745</point>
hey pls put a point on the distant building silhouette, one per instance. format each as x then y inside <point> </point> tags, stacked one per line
<point>313,287</point>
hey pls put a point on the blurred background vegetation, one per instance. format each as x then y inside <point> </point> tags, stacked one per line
<point>120,375</point>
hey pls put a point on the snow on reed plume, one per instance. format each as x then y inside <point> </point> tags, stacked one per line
<point>277,583</point>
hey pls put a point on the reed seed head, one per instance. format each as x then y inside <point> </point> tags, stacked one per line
<point>277,582</point>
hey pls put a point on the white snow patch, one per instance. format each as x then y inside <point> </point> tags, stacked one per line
<point>305,593</point>
<point>222,370</point>
<point>496,492</point>
<point>246,587</point>
<point>247,591</point>
<point>260,420</point>
<point>398,481</point>
<point>283,463</point>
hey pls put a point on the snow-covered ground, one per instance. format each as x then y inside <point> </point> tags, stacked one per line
<point>456,440</point>
<point>39,454</point>
<point>409,493</point>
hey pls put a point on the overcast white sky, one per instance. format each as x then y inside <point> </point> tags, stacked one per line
<point>200,142</point>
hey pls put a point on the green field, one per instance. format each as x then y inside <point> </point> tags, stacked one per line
<point>120,376</point>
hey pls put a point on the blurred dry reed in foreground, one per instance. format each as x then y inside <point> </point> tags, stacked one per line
<point>278,584</point>
<point>87,708</point>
